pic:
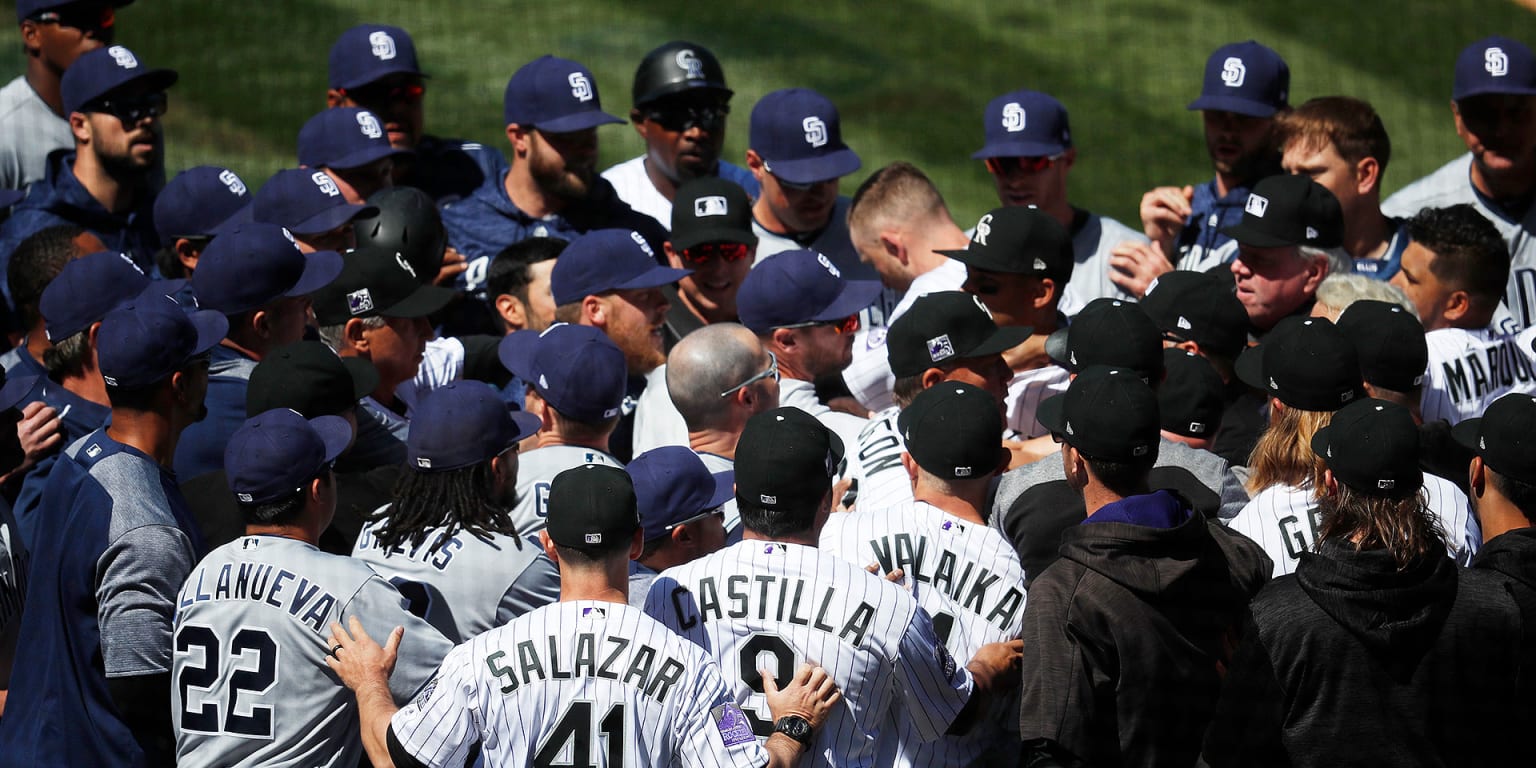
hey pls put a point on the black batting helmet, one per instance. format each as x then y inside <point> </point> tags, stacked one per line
<point>675,67</point>
<point>409,224</point>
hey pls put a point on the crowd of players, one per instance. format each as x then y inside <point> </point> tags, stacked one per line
<point>434,453</point>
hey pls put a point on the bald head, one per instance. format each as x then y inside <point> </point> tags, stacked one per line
<point>711,360</point>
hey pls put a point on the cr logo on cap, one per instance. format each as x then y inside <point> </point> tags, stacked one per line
<point>1013,117</point>
<point>381,45</point>
<point>983,228</point>
<point>815,131</point>
<point>689,62</point>
<point>370,125</point>
<point>1233,73</point>
<point>1256,205</point>
<point>1496,62</point>
<point>581,87</point>
<point>123,57</point>
<point>405,265</point>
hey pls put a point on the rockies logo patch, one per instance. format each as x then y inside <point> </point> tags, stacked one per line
<point>732,724</point>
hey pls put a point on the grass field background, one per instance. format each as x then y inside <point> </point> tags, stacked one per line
<point>910,76</point>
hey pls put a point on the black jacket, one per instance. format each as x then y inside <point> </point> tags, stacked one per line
<point>1352,662</point>
<point>1513,554</point>
<point>1125,634</point>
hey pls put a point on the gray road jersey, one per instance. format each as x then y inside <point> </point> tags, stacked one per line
<point>457,583</point>
<point>249,682</point>
<point>535,470</point>
<point>1090,272</point>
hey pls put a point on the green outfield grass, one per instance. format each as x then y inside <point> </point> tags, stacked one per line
<point>910,76</point>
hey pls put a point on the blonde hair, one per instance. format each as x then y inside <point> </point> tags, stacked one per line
<point>1283,455</point>
<point>1403,527</point>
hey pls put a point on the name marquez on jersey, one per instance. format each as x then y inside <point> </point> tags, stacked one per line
<point>974,587</point>
<point>614,658</point>
<point>257,582</point>
<point>766,597</point>
<point>1480,372</point>
<point>438,555</point>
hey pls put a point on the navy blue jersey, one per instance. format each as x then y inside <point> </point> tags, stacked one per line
<point>200,449</point>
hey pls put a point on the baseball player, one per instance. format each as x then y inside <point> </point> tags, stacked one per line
<point>447,540</point>
<point>253,618</point>
<point>1454,273</point>
<point>586,681</point>
<point>190,209</point>
<point>963,573</point>
<point>1491,100</point>
<point>13,559</point>
<point>682,512</point>
<point>774,599</point>
<point>1309,370</point>
<point>349,145</point>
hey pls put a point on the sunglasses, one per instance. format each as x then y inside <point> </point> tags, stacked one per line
<point>378,93</point>
<point>844,327</point>
<point>708,117</point>
<point>703,253</point>
<point>1008,166</point>
<point>712,512</point>
<point>771,372</point>
<point>82,16</point>
<point>132,109</point>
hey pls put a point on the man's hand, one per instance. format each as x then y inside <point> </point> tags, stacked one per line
<point>848,405</point>
<point>1029,355</point>
<point>996,663</point>
<point>811,695</point>
<point>1133,266</point>
<point>40,430</point>
<point>895,576</point>
<point>357,659</point>
<point>1163,213</point>
<point>1021,452</point>
<point>454,264</point>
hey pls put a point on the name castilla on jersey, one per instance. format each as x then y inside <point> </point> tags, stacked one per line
<point>767,597</point>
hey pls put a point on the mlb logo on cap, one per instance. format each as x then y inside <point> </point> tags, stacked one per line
<point>1256,205</point>
<point>713,205</point>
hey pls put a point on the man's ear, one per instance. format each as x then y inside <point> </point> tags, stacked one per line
<point>549,545</point>
<point>80,126</point>
<point>186,253</point>
<point>519,139</point>
<point>1477,477</point>
<point>355,335</point>
<point>594,312</point>
<point>637,544</point>
<point>1457,305</point>
<point>1046,293</point>
<point>512,311</point>
<point>755,164</point>
<point>1367,175</point>
<point>334,97</point>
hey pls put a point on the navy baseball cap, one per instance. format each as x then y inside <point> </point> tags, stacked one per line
<point>104,70</point>
<point>305,201</point>
<point>369,52</point>
<point>375,280</point>
<point>344,137</point>
<point>673,487</point>
<point>1494,64</point>
<point>1372,446</point>
<point>463,423</point>
<point>252,264</point>
<point>592,505</point>
<point>1109,332</point>
<point>554,95</point>
<point>1247,78</point>
<point>86,289</point>
<point>310,378</point>
<point>1504,436</point>
<point>149,338</point>
<point>276,453</point>
<point>801,286</point>
<point>1306,363</point>
<point>26,9</point>
<point>608,260</point>
<point>576,368</point>
<point>799,135</point>
<point>1025,124</point>
<point>1289,209</point>
<point>198,201</point>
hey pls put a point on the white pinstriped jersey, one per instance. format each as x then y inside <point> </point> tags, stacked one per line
<point>1284,521</point>
<point>580,683</point>
<point>249,682</point>
<point>1025,393</point>
<point>1452,184</point>
<point>1470,369</point>
<point>964,574</point>
<point>869,376</point>
<point>456,583</point>
<point>883,481</point>
<point>536,469</point>
<point>769,605</point>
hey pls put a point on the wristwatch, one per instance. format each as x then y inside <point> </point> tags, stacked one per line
<point>795,727</point>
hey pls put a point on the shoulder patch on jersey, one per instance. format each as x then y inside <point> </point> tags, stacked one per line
<point>732,724</point>
<point>946,660</point>
<point>424,697</point>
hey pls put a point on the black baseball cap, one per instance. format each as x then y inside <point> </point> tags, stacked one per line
<point>1019,240</point>
<point>1306,363</point>
<point>944,326</point>
<point>1109,332</point>
<point>1289,210</point>
<point>308,377</point>
<point>954,430</point>
<point>592,506</point>
<point>1372,446</point>
<point>1389,342</point>
<point>1107,413</point>
<point>1196,306</point>
<point>1504,436</point>
<point>678,67</point>
<point>710,209</point>
<point>1191,399</point>
<point>377,281</point>
<point>786,459</point>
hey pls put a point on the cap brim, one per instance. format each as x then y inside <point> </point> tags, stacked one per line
<point>365,377</point>
<point>245,214</point>
<point>1056,348</point>
<point>211,328</point>
<point>1319,442</point>
<point>423,301</point>
<point>725,487</point>
<point>331,218</point>
<point>654,277</point>
<point>1249,236</point>
<point>363,157</point>
<point>1019,149</point>
<point>320,268</point>
<point>516,353</point>
<point>1006,338</point>
<point>16,390</point>
<point>525,424</point>
<point>334,432</point>
<point>380,74</point>
<point>717,235</point>
<point>1232,104</point>
<point>833,165</point>
<point>1464,432</point>
<point>1493,91</point>
<point>855,296</point>
<point>578,122</point>
<point>1049,413</point>
<point>1250,368</point>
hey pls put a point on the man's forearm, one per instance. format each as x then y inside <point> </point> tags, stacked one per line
<point>375,707</point>
<point>783,751</point>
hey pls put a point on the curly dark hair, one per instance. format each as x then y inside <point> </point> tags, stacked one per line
<point>448,500</point>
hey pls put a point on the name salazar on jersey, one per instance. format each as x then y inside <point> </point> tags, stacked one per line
<point>766,597</point>
<point>261,583</point>
<point>620,659</point>
<point>974,587</point>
